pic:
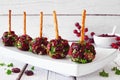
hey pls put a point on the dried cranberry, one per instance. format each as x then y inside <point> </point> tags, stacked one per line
<point>15,70</point>
<point>9,39</point>
<point>29,72</point>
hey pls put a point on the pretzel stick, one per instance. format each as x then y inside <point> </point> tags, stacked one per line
<point>25,23</point>
<point>41,23</point>
<point>56,25</point>
<point>9,20</point>
<point>83,26</point>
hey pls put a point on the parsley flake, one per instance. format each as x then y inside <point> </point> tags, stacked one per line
<point>104,74</point>
<point>8,72</point>
<point>2,64</point>
<point>32,68</point>
<point>10,65</point>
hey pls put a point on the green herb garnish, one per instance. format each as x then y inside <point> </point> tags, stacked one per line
<point>8,72</point>
<point>30,49</point>
<point>114,68</point>
<point>32,68</point>
<point>10,65</point>
<point>104,74</point>
<point>52,50</point>
<point>2,64</point>
<point>83,61</point>
<point>117,71</point>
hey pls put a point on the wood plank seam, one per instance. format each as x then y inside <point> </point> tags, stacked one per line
<point>63,15</point>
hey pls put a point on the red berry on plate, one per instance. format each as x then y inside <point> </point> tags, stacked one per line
<point>117,38</point>
<point>118,43</point>
<point>114,45</point>
<point>29,72</point>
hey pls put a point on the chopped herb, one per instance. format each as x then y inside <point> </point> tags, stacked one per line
<point>104,74</point>
<point>32,68</point>
<point>114,68</point>
<point>117,72</point>
<point>83,61</point>
<point>10,65</point>
<point>30,49</point>
<point>2,64</point>
<point>52,50</point>
<point>87,51</point>
<point>8,72</point>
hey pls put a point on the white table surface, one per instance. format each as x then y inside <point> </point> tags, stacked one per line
<point>98,24</point>
<point>41,74</point>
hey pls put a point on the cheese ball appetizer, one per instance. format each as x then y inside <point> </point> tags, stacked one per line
<point>39,45</point>
<point>82,53</point>
<point>23,42</point>
<point>58,48</point>
<point>9,38</point>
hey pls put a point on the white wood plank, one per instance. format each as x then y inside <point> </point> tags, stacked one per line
<point>56,76</point>
<point>3,69</point>
<point>62,6</point>
<point>39,74</point>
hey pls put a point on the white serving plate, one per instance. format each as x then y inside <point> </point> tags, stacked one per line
<point>62,66</point>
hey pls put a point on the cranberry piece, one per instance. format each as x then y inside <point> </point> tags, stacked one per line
<point>114,45</point>
<point>15,70</point>
<point>29,72</point>
<point>117,38</point>
<point>118,43</point>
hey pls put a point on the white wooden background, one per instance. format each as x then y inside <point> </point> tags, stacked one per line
<point>98,24</point>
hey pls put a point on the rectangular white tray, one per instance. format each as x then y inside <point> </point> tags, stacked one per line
<point>62,66</point>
